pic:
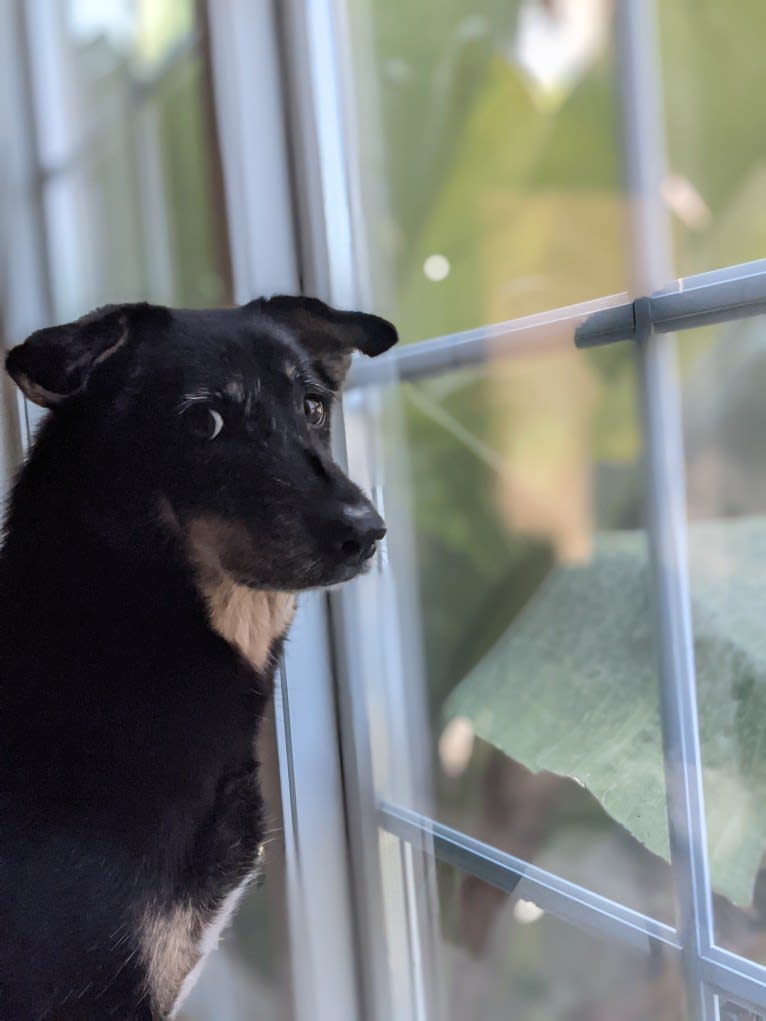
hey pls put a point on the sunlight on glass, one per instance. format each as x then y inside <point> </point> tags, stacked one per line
<point>526,912</point>
<point>558,42</point>
<point>456,746</point>
<point>436,267</point>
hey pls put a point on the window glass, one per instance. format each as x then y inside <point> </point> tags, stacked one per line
<point>130,172</point>
<point>503,957</point>
<point>111,33</point>
<point>724,371</point>
<point>489,148</point>
<point>534,614</point>
<point>734,1012</point>
<point>714,80</point>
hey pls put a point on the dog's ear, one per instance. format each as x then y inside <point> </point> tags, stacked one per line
<point>55,364</point>
<point>329,335</point>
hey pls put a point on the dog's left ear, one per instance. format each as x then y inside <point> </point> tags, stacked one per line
<point>55,364</point>
<point>330,335</point>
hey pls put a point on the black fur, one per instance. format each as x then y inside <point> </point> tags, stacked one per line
<point>128,776</point>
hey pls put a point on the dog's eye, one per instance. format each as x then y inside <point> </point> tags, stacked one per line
<point>314,410</point>
<point>205,423</point>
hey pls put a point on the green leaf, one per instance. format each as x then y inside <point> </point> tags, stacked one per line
<point>571,687</point>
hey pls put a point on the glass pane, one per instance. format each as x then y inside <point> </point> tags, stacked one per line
<point>527,565</point>
<point>733,1012</point>
<point>94,61</point>
<point>249,975</point>
<point>489,148</point>
<point>109,33</point>
<point>136,215</point>
<point>503,957</point>
<point>716,182</point>
<point>96,230</point>
<point>724,371</point>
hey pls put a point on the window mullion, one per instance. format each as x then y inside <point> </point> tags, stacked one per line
<point>642,116</point>
<point>248,61</point>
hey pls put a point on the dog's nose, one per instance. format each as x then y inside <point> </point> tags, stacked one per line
<point>362,528</point>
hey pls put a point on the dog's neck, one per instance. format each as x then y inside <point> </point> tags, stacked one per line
<point>251,620</point>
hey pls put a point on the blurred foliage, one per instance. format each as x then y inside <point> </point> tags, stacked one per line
<point>714,77</point>
<point>524,196</point>
<point>580,699</point>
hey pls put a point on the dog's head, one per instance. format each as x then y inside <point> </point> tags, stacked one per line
<point>221,418</point>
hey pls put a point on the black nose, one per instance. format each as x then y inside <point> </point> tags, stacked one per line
<point>362,527</point>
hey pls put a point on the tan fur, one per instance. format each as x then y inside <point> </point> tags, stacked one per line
<point>174,943</point>
<point>250,619</point>
<point>169,940</point>
<point>48,398</point>
<point>38,394</point>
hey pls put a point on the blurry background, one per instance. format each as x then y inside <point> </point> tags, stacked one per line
<point>468,161</point>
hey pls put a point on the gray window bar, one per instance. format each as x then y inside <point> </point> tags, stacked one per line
<point>666,507</point>
<point>722,300</point>
<point>700,300</point>
<point>645,167</point>
<point>568,901</point>
<point>528,334</point>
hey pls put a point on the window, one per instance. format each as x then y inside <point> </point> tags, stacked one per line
<point>521,762</point>
<point>547,691</point>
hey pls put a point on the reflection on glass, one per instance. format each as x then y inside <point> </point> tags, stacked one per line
<point>724,370</point>
<point>734,1012</point>
<point>529,966</point>
<point>131,185</point>
<point>491,157</point>
<point>109,32</point>
<point>537,632</point>
<point>716,181</point>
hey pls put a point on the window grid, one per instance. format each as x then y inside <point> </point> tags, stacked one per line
<point>733,293</point>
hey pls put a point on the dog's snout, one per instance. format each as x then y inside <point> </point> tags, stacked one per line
<point>362,528</point>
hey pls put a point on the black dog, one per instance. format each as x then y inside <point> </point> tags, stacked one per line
<point>179,493</point>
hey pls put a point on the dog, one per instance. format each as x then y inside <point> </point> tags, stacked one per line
<point>179,493</point>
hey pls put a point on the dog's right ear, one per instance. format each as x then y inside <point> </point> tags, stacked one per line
<point>56,364</point>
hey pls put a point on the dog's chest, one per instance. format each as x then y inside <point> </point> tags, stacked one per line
<point>212,931</point>
<point>177,939</point>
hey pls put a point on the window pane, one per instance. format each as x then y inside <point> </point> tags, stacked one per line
<point>733,1012</point>
<point>94,59</point>
<point>490,161</point>
<point>503,957</point>
<point>724,371</point>
<point>533,604</point>
<point>120,221</point>
<point>716,183</point>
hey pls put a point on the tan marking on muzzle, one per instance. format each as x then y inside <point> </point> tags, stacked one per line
<point>251,620</point>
